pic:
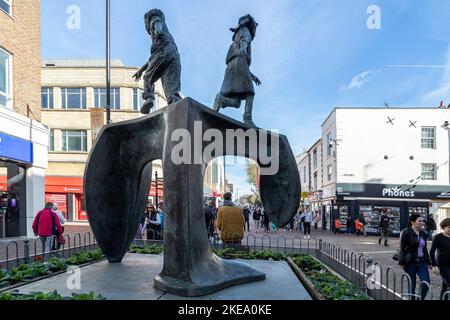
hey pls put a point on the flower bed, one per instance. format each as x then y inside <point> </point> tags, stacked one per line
<point>323,284</point>
<point>32,272</point>
<point>49,296</point>
<point>148,249</point>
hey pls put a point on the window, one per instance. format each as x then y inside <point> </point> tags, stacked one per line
<point>100,98</point>
<point>51,142</point>
<point>428,137</point>
<point>304,174</point>
<point>74,140</point>
<point>315,181</point>
<point>329,173</point>
<point>329,144</point>
<point>47,98</point>
<point>215,172</point>
<point>5,5</point>
<point>315,158</point>
<point>137,99</point>
<point>73,98</point>
<point>429,171</point>
<point>5,79</point>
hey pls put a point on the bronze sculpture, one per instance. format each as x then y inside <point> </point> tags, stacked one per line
<point>238,81</point>
<point>163,63</point>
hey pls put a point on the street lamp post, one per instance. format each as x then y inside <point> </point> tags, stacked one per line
<point>156,189</point>
<point>108,62</point>
<point>446,126</point>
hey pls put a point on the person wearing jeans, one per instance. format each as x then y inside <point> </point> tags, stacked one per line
<point>413,255</point>
<point>307,219</point>
<point>441,265</point>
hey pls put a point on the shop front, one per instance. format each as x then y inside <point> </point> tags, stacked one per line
<point>399,202</point>
<point>67,193</point>
<point>327,209</point>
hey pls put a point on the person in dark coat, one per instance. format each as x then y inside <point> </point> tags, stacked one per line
<point>384,228</point>
<point>210,217</point>
<point>238,81</point>
<point>413,254</point>
<point>246,213</point>
<point>441,263</point>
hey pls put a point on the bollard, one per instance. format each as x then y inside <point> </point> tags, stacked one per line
<point>26,250</point>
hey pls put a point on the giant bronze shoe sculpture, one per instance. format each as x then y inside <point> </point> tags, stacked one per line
<point>117,181</point>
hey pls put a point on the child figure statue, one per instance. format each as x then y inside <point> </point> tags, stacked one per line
<point>164,62</point>
<point>238,82</point>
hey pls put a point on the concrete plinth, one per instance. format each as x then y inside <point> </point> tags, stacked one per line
<point>132,280</point>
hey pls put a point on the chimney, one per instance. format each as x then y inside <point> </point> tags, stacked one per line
<point>442,105</point>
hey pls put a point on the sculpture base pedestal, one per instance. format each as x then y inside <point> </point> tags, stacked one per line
<point>220,274</point>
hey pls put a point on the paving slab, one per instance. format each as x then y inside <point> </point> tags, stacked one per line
<point>133,280</point>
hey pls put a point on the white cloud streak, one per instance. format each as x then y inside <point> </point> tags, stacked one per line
<point>359,80</point>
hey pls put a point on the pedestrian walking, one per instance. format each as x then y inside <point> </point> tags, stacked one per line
<point>210,217</point>
<point>62,220</point>
<point>230,221</point>
<point>246,213</point>
<point>413,254</point>
<point>306,218</point>
<point>363,222</point>
<point>316,219</point>
<point>441,262</point>
<point>348,225</point>
<point>153,223</point>
<point>257,218</point>
<point>431,226</point>
<point>266,222</point>
<point>47,227</point>
<point>384,228</point>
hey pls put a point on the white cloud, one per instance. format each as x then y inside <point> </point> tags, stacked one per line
<point>359,80</point>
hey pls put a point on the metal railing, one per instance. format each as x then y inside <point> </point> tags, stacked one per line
<point>377,281</point>
<point>40,249</point>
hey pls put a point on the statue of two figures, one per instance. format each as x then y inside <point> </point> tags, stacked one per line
<point>164,63</point>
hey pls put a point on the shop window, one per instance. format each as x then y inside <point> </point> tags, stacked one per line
<point>428,171</point>
<point>74,140</point>
<point>73,98</point>
<point>428,138</point>
<point>47,98</point>
<point>5,78</point>
<point>6,6</point>
<point>372,215</point>
<point>100,98</point>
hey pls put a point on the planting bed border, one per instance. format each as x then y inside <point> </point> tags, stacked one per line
<point>26,282</point>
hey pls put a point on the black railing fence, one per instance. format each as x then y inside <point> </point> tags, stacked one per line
<point>377,281</point>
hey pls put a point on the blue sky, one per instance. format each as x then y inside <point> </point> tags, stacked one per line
<point>311,55</point>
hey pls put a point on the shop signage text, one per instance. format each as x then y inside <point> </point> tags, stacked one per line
<point>397,193</point>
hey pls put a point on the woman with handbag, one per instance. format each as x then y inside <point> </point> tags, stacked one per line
<point>413,254</point>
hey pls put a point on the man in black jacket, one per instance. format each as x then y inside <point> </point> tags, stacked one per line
<point>246,212</point>
<point>384,227</point>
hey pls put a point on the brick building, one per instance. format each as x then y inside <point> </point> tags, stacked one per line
<point>23,139</point>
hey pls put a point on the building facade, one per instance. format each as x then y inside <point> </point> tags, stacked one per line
<point>23,139</point>
<point>390,159</point>
<point>72,94</point>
